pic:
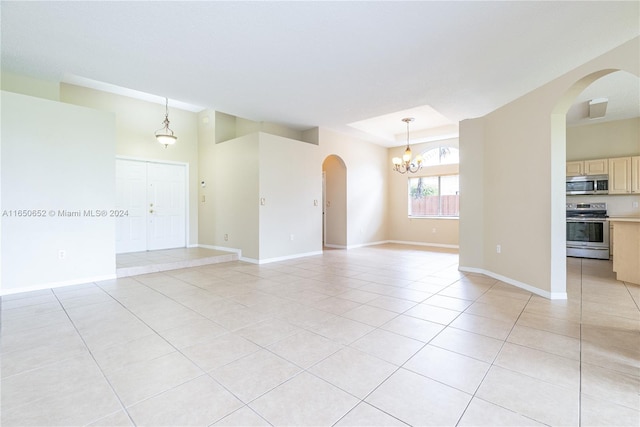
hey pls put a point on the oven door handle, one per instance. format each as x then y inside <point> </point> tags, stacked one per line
<point>587,220</point>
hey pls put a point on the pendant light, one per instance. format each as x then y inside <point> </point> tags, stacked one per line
<point>165,135</point>
<point>406,163</point>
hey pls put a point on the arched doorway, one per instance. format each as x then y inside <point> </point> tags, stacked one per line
<point>558,160</point>
<point>334,195</point>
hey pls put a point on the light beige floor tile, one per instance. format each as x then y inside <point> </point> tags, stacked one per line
<point>255,374</point>
<point>413,327</point>
<point>410,294</point>
<point>597,413</point>
<point>388,346</point>
<point>139,381</point>
<point>219,351</point>
<point>304,316</point>
<point>483,325</point>
<point>335,305</point>
<point>432,313</point>
<point>503,313</point>
<point>417,400</point>
<point>604,384</point>
<point>353,371</point>
<point>37,356</point>
<point>365,415</point>
<point>550,324</point>
<point>546,341</point>
<point>469,344</point>
<point>450,303</point>
<point>447,367</point>
<point>342,330</point>
<point>203,330</point>
<point>482,413</point>
<point>369,315</point>
<point>205,399</point>
<point>305,348</point>
<point>117,419</point>
<point>621,359</point>
<point>309,400</point>
<point>356,295</point>
<point>67,406</point>
<point>535,399</point>
<point>396,305</point>
<point>119,356</point>
<point>66,377</point>
<point>541,365</point>
<point>243,417</point>
<point>268,331</point>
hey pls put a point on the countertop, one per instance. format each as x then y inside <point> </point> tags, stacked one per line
<point>624,218</point>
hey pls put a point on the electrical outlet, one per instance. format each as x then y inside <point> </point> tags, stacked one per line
<point>498,249</point>
<point>635,205</point>
<point>226,237</point>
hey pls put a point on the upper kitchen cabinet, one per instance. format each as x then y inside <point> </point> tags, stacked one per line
<point>588,167</point>
<point>575,168</point>
<point>635,174</point>
<point>596,167</point>
<point>620,175</point>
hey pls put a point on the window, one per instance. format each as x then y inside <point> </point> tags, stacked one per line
<point>434,196</point>
<point>441,156</point>
<point>437,194</point>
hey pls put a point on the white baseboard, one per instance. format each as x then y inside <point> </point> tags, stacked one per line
<point>362,245</point>
<point>52,285</point>
<point>435,245</point>
<point>287,257</point>
<point>222,248</point>
<point>516,283</point>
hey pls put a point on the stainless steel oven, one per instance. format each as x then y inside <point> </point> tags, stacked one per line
<point>587,230</point>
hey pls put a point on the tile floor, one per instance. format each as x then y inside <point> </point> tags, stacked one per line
<point>385,335</point>
<point>136,263</point>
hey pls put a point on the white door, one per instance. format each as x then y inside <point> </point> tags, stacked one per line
<point>153,195</point>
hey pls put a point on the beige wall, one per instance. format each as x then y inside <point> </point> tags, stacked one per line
<point>367,177</point>
<point>55,157</point>
<point>523,179</point>
<point>424,231</point>
<point>291,187</point>
<point>617,138</point>
<point>28,86</point>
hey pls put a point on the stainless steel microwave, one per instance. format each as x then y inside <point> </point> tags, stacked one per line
<point>587,184</point>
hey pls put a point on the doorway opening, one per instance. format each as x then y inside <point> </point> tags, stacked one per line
<point>334,202</point>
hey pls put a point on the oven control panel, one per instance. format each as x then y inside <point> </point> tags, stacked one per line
<point>587,206</point>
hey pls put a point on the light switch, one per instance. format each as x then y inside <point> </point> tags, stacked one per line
<point>263,201</point>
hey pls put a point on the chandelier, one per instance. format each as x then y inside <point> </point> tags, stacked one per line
<point>165,135</point>
<point>406,163</point>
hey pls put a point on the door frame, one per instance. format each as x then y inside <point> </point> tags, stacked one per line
<point>187,200</point>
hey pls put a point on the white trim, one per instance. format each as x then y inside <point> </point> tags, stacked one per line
<point>53,285</point>
<point>329,245</point>
<point>362,245</point>
<point>222,248</point>
<point>436,245</point>
<point>288,257</point>
<point>526,287</point>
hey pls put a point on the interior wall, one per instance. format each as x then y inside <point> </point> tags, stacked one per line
<point>524,171</point>
<point>335,202</point>
<point>58,163</point>
<point>423,231</point>
<point>290,194</point>
<point>236,201</point>
<point>367,185</point>
<point>29,86</point>
<point>617,138</point>
<point>136,122</point>
<point>206,175</point>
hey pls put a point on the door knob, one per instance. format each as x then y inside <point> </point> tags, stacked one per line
<point>151,211</point>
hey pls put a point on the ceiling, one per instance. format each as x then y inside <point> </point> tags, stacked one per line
<point>355,67</point>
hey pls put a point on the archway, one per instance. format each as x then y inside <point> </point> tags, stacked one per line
<point>334,195</point>
<point>558,160</point>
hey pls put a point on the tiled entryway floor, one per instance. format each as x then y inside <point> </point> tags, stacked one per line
<point>384,335</point>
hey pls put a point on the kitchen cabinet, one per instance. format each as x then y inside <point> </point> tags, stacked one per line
<point>596,167</point>
<point>620,175</point>
<point>635,174</point>
<point>575,168</point>
<point>587,167</point>
<point>626,250</point>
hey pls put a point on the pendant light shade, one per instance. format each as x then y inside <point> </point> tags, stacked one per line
<point>165,135</point>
